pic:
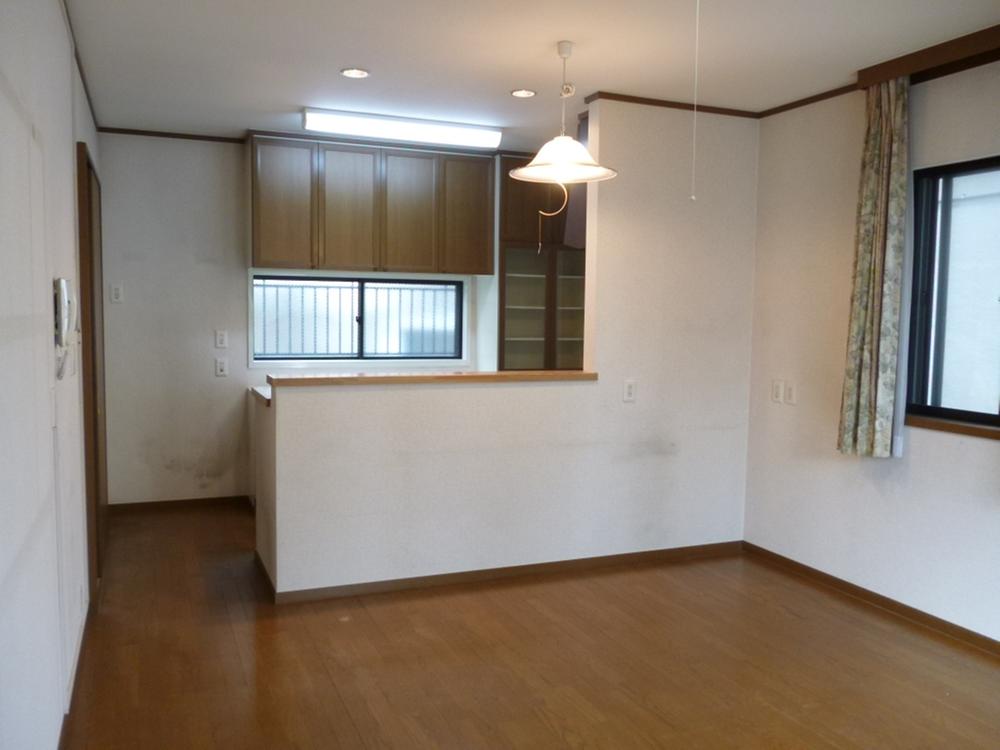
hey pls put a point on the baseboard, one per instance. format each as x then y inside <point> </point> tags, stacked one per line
<point>650,557</point>
<point>917,616</point>
<point>259,563</point>
<point>76,673</point>
<point>193,502</point>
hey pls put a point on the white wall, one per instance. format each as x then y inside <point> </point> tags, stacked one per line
<point>176,237</point>
<point>434,479</point>
<point>922,529</point>
<point>43,566</point>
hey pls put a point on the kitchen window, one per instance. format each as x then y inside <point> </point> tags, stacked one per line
<point>954,367</point>
<point>315,318</point>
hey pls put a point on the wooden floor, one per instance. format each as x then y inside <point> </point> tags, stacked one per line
<point>187,652</point>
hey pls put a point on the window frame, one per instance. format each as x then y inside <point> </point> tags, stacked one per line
<point>460,361</point>
<point>927,254</point>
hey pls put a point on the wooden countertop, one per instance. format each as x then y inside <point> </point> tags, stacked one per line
<point>506,376</point>
<point>262,393</point>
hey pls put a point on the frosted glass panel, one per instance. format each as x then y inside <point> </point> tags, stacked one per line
<point>297,319</point>
<point>970,359</point>
<point>411,320</point>
<point>320,319</point>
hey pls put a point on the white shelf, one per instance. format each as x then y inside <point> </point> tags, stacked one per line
<point>528,275</point>
<point>523,338</point>
<point>526,307</point>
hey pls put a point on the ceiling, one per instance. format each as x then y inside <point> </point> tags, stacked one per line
<point>223,66</point>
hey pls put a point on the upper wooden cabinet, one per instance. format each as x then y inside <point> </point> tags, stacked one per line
<point>467,209</point>
<point>319,204</point>
<point>284,215</point>
<point>348,188</point>
<point>519,205</point>
<point>411,221</point>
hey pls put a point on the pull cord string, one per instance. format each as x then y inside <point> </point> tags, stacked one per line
<point>694,119</point>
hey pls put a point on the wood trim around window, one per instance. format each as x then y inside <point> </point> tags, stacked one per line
<point>953,426</point>
<point>965,52</point>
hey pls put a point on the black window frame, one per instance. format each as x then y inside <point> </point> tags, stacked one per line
<point>359,320</point>
<point>929,186</point>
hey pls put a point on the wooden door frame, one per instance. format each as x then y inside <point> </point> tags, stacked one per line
<point>89,292</point>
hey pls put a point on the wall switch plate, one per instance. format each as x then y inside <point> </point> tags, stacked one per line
<point>221,339</point>
<point>777,391</point>
<point>117,294</point>
<point>791,394</point>
<point>628,390</point>
<point>221,367</point>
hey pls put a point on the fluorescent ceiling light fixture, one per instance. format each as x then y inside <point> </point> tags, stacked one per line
<point>385,128</point>
<point>522,93</point>
<point>354,73</point>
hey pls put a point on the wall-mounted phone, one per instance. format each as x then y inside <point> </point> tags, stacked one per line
<point>65,321</point>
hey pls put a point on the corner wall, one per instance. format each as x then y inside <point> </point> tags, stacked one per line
<point>921,529</point>
<point>440,478</point>
<point>43,562</point>
<point>176,239</point>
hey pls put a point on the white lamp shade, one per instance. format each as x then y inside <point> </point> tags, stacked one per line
<point>563,160</point>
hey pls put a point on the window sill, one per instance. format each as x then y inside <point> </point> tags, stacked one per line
<point>506,376</point>
<point>948,425</point>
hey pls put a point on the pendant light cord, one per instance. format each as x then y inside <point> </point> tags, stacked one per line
<point>550,214</point>
<point>563,96</point>
<point>694,119</point>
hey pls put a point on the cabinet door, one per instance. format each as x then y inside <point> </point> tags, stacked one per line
<point>519,205</point>
<point>467,215</point>
<point>410,222</point>
<point>283,203</point>
<point>348,205</point>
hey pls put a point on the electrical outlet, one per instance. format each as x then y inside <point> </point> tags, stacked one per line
<point>628,390</point>
<point>221,367</point>
<point>221,339</point>
<point>117,294</point>
<point>777,391</point>
<point>791,394</point>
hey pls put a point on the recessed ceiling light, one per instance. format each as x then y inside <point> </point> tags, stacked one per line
<point>384,127</point>
<point>354,73</point>
<point>522,93</point>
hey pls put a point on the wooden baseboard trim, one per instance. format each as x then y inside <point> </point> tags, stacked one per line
<point>259,564</point>
<point>916,616</point>
<point>650,557</point>
<point>167,505</point>
<point>84,637</point>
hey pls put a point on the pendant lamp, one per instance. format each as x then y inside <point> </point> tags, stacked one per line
<point>563,160</point>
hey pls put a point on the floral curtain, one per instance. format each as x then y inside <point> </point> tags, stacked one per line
<point>868,401</point>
